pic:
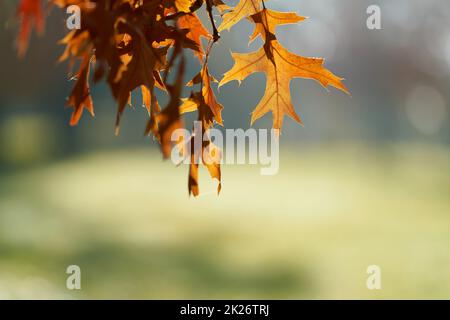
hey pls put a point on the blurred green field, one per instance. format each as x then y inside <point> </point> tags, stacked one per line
<point>309,232</point>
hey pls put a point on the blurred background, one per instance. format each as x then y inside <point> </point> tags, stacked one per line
<point>366,181</point>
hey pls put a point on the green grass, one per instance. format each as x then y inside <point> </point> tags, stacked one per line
<point>309,232</point>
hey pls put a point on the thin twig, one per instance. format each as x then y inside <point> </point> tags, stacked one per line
<point>209,7</point>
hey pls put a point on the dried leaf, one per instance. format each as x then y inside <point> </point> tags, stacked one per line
<point>267,20</point>
<point>183,5</point>
<point>80,98</point>
<point>243,9</point>
<point>205,80</point>
<point>197,30</point>
<point>280,67</point>
<point>127,43</point>
<point>30,15</point>
<point>209,154</point>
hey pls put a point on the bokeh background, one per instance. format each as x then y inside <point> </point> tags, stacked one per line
<point>365,181</point>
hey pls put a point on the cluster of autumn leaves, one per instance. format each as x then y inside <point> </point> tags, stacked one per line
<point>136,44</point>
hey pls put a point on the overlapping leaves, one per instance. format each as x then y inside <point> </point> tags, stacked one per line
<point>135,44</point>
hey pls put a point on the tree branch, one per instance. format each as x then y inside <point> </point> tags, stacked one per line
<point>209,7</point>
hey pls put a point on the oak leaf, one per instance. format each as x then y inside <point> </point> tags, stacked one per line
<point>139,70</point>
<point>80,97</point>
<point>183,5</point>
<point>267,20</point>
<point>127,42</point>
<point>205,79</point>
<point>209,112</point>
<point>280,67</point>
<point>196,31</point>
<point>208,153</point>
<point>242,10</point>
<point>30,14</point>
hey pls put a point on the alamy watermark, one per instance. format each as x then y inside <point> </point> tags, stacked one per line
<point>73,281</point>
<point>234,144</point>
<point>374,20</point>
<point>73,21</point>
<point>374,279</point>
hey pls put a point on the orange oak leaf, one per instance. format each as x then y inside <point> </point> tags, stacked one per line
<point>209,111</point>
<point>163,124</point>
<point>280,67</point>
<point>126,42</point>
<point>77,44</point>
<point>267,20</point>
<point>148,101</point>
<point>243,9</point>
<point>208,154</point>
<point>212,165</point>
<point>30,15</point>
<point>205,79</point>
<point>183,5</point>
<point>138,71</point>
<point>80,98</point>
<point>196,29</point>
